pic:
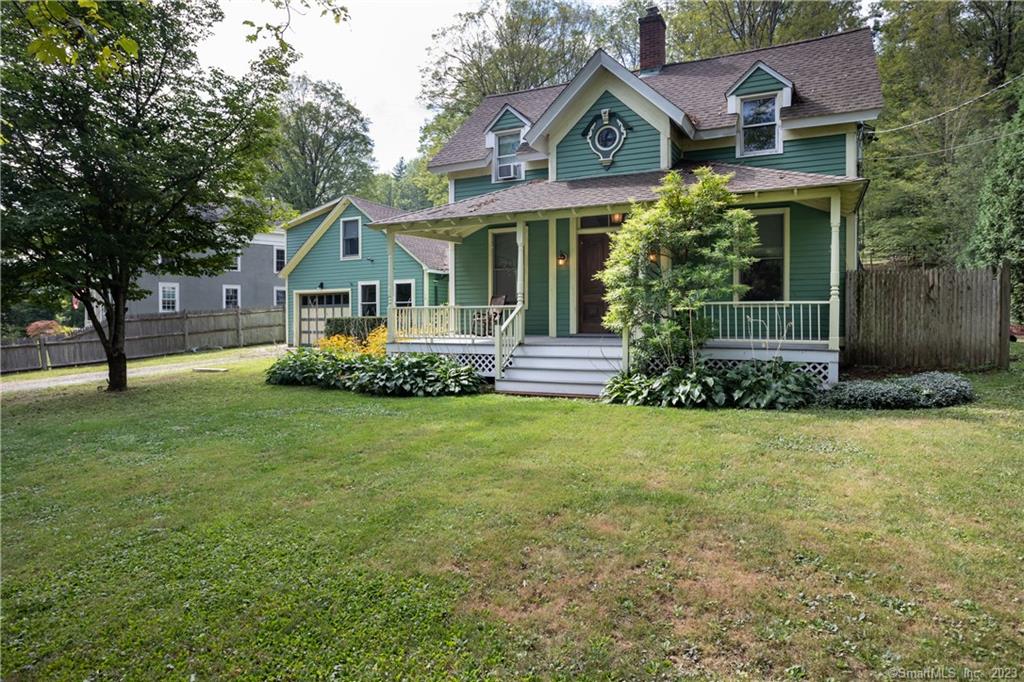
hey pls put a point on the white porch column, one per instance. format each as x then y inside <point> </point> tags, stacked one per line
<point>521,262</point>
<point>452,323</point>
<point>391,286</point>
<point>833,274</point>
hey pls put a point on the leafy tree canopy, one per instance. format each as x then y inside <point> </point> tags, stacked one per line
<point>154,167</point>
<point>325,148</point>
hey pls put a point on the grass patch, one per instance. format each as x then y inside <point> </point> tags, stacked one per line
<point>216,526</point>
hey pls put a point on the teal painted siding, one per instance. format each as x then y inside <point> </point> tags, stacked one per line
<point>323,263</point>
<point>810,239</point>
<point>507,121</point>
<point>437,292</point>
<point>826,154</point>
<point>481,184</point>
<point>641,150</point>
<point>471,269</point>
<point>677,154</point>
<point>562,277</point>
<point>537,277</point>
<point>759,81</point>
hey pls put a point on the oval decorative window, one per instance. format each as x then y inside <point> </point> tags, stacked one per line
<point>605,134</point>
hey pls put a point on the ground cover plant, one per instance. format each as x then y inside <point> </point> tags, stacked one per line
<point>339,366</point>
<point>217,526</point>
<point>930,389</point>
<point>771,384</point>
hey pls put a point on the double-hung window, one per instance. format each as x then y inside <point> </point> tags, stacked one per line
<point>168,297</point>
<point>759,126</point>
<point>506,167</point>
<point>766,275</point>
<point>368,299</point>
<point>237,266</point>
<point>232,296</point>
<point>350,239</point>
<point>280,258</point>
<point>280,294</point>
<point>405,291</point>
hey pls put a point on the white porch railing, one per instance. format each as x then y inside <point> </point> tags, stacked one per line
<point>440,322</point>
<point>507,336</point>
<point>790,321</point>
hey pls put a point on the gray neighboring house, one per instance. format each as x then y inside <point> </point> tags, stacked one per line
<point>254,284</point>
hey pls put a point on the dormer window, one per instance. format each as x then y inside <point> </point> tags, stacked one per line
<point>759,126</point>
<point>506,166</point>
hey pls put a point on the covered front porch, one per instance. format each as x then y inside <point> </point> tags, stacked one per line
<point>525,274</point>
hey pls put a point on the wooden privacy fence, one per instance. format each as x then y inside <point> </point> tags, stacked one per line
<point>148,336</point>
<point>941,318</point>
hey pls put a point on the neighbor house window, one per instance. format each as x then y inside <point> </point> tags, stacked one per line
<point>350,238</point>
<point>279,296</point>
<point>759,126</point>
<point>506,167</point>
<point>168,297</point>
<point>766,275</point>
<point>404,293</point>
<point>368,299</point>
<point>232,296</point>
<point>237,267</point>
<point>280,258</point>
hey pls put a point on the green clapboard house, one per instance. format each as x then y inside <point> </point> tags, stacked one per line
<point>539,179</point>
<point>337,266</point>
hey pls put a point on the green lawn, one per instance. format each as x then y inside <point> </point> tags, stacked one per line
<point>201,356</point>
<point>211,525</point>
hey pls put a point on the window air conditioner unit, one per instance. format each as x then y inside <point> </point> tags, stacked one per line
<point>508,171</point>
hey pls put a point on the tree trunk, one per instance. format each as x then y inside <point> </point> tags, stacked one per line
<point>117,371</point>
<point>117,359</point>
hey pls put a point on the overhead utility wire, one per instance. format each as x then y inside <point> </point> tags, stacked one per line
<point>948,111</point>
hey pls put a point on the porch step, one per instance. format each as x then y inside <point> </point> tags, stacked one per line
<point>547,362</point>
<point>548,388</point>
<point>559,376</point>
<point>552,350</point>
<point>562,367</point>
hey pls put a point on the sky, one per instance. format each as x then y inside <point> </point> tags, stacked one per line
<point>375,56</point>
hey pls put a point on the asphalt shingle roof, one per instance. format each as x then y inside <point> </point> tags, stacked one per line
<point>832,74</point>
<point>431,252</point>
<point>543,195</point>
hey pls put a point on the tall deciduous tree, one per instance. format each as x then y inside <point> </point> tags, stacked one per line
<point>504,46</point>
<point>154,167</point>
<point>713,27</point>
<point>326,150</point>
<point>398,188</point>
<point>923,202</point>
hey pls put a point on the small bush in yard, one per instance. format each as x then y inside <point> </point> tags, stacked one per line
<point>931,389</point>
<point>761,385</point>
<point>396,375</point>
<point>770,385</point>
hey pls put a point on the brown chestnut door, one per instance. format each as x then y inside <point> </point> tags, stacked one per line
<point>590,303</point>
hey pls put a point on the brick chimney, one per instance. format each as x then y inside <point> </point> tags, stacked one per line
<point>652,41</point>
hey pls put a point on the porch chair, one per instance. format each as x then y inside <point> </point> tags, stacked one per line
<point>483,322</point>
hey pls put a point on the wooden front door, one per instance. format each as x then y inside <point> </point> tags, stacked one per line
<point>591,306</point>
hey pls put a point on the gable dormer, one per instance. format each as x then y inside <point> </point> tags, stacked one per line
<point>757,98</point>
<point>503,137</point>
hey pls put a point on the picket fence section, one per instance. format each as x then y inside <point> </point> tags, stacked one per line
<point>941,318</point>
<point>149,336</point>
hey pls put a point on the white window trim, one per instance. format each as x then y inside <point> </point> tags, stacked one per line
<point>238,264</point>
<point>490,264</point>
<point>497,161</point>
<point>784,212</point>
<point>341,244</point>
<point>285,290</point>
<point>160,296</point>
<point>359,296</point>
<point>285,251</point>
<point>394,295</point>
<point>224,295</point>
<point>778,125</point>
